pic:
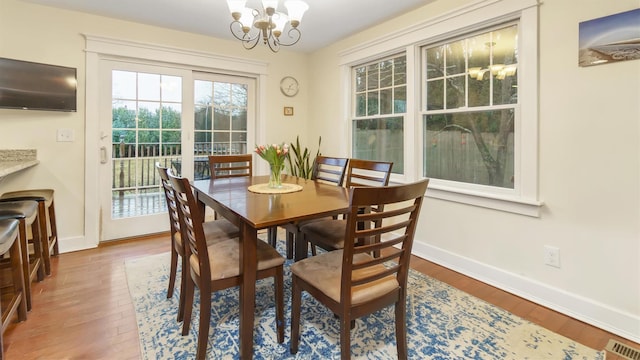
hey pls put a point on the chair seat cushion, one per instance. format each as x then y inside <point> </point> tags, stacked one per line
<point>35,194</point>
<point>8,234</point>
<point>326,233</point>
<point>215,231</point>
<point>224,258</point>
<point>294,226</point>
<point>26,209</point>
<point>324,272</point>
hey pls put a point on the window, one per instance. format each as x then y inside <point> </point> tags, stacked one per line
<point>379,108</point>
<point>220,119</point>
<point>146,127</point>
<point>470,102</point>
<point>469,120</point>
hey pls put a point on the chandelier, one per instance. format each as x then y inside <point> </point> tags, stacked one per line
<point>266,24</point>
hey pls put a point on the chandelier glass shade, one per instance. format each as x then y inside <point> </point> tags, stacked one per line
<point>500,71</point>
<point>267,24</point>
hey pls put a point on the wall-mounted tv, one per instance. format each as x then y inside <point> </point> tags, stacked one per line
<point>34,86</point>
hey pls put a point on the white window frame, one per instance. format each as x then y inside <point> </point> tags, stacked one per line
<point>523,199</point>
<point>354,117</point>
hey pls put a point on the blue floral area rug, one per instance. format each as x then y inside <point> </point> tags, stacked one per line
<point>443,323</point>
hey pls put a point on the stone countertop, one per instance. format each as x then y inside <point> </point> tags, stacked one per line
<point>12,161</point>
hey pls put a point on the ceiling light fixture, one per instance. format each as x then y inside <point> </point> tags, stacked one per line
<point>500,71</point>
<point>266,24</point>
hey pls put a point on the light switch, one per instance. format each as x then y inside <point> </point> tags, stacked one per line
<point>65,135</point>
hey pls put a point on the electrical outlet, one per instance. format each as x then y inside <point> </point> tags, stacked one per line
<point>552,256</point>
<point>65,135</point>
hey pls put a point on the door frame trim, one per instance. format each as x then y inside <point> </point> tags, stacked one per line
<point>99,48</point>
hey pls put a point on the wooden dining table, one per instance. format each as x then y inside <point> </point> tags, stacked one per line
<point>250,211</point>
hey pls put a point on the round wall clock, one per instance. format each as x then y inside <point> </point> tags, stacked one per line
<point>289,86</point>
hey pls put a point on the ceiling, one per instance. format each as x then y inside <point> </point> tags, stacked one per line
<point>326,21</point>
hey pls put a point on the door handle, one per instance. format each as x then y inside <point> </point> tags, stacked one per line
<point>103,155</point>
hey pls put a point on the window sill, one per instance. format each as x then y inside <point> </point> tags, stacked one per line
<point>503,203</point>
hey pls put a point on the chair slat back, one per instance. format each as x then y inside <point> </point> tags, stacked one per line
<point>329,169</point>
<point>191,223</point>
<point>172,205</point>
<point>226,166</point>
<point>393,236</point>
<point>368,173</point>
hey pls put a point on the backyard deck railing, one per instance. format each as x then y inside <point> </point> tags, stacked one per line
<point>136,186</point>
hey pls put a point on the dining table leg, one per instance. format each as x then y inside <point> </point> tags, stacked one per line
<point>201,203</point>
<point>248,269</point>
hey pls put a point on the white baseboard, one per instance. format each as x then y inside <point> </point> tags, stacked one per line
<point>578,307</point>
<point>76,243</point>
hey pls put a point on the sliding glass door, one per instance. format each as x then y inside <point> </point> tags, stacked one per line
<point>221,118</point>
<point>175,117</point>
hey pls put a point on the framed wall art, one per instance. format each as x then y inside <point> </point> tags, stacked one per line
<point>609,39</point>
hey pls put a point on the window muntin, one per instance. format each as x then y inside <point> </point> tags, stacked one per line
<point>146,123</point>
<point>380,103</point>
<point>470,103</point>
<point>220,117</point>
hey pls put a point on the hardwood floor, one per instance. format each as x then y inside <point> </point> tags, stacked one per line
<point>83,310</point>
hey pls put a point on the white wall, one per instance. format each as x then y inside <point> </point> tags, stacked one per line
<point>44,34</point>
<point>589,153</point>
<point>589,159</point>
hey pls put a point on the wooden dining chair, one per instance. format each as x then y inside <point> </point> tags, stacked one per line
<point>216,267</point>
<point>351,282</point>
<point>229,166</point>
<point>330,170</point>
<point>225,166</point>
<point>216,230</point>
<point>328,233</point>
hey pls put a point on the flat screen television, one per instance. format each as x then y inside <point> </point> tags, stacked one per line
<point>34,86</point>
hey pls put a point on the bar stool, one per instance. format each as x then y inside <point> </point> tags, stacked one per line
<point>46,210</point>
<point>17,306</point>
<point>26,212</point>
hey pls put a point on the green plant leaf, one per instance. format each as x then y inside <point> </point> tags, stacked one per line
<point>299,159</point>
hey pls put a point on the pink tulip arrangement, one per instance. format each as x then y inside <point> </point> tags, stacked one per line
<point>275,155</point>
